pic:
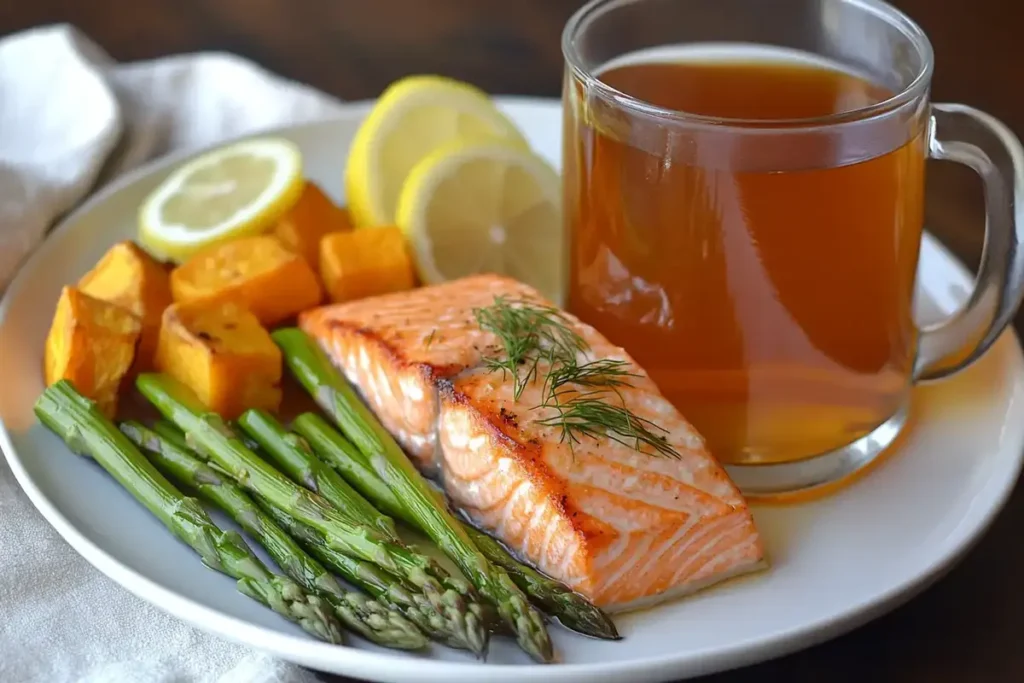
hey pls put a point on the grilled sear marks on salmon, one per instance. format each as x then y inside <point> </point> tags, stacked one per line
<point>620,522</point>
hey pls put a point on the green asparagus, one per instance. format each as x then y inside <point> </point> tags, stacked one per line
<point>336,396</point>
<point>445,624</point>
<point>448,626</point>
<point>208,434</point>
<point>292,456</point>
<point>556,599</point>
<point>569,607</point>
<point>87,432</point>
<point>363,615</point>
<point>291,453</point>
<point>343,457</point>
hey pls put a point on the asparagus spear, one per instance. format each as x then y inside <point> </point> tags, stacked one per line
<point>291,453</point>
<point>445,617</point>
<point>361,614</point>
<point>87,432</point>
<point>448,627</point>
<point>211,438</point>
<point>556,599</point>
<point>292,456</point>
<point>339,453</point>
<point>333,393</point>
<point>569,607</point>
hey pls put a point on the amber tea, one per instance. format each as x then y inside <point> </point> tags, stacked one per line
<point>765,285</point>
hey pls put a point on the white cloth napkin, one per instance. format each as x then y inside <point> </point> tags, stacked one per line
<point>71,119</point>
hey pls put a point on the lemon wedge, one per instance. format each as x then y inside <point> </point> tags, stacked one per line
<point>413,117</point>
<point>485,208</point>
<point>233,191</point>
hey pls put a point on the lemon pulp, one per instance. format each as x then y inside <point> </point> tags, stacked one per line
<point>233,191</point>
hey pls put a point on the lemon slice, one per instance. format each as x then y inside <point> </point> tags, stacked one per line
<point>485,208</point>
<point>413,117</point>
<point>232,191</point>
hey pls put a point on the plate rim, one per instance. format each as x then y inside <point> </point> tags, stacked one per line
<point>387,666</point>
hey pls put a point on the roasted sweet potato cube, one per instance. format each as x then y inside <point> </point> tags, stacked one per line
<point>130,278</point>
<point>92,344</point>
<point>273,282</point>
<point>365,262</point>
<point>219,349</point>
<point>313,216</point>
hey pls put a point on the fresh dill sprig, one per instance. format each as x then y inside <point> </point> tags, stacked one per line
<point>529,333</point>
<point>592,415</point>
<point>606,372</point>
<point>532,336</point>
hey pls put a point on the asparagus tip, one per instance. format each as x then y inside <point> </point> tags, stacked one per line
<point>577,614</point>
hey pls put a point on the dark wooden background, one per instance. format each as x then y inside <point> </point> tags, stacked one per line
<point>967,628</point>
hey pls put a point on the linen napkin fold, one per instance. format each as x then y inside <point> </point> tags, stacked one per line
<point>72,119</point>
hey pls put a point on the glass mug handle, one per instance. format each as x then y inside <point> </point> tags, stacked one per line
<point>971,137</point>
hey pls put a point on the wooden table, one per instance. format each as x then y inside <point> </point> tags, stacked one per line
<point>968,627</point>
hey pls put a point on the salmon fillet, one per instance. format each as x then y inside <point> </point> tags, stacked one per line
<point>624,527</point>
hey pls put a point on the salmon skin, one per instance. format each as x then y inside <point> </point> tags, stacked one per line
<point>623,525</point>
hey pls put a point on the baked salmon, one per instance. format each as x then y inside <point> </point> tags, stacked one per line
<point>620,501</point>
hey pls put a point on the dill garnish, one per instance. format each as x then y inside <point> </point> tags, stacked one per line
<point>529,334</point>
<point>430,339</point>
<point>588,415</point>
<point>532,336</point>
<point>607,373</point>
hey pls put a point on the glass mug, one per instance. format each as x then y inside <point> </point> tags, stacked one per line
<point>744,202</point>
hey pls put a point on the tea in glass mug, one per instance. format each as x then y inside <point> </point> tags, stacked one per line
<point>744,202</point>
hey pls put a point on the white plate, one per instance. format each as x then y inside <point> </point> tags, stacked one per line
<point>836,562</point>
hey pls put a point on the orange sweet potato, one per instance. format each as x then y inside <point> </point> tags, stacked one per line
<point>92,344</point>
<point>365,262</point>
<point>313,216</point>
<point>130,278</point>
<point>218,348</point>
<point>269,280</point>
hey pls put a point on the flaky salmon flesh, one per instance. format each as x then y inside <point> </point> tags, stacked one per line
<point>620,522</point>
